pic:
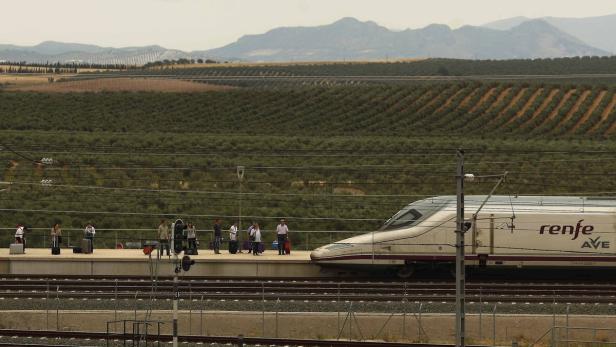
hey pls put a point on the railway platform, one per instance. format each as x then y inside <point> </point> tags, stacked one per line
<point>133,262</point>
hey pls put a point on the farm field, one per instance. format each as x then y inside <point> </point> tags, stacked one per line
<point>421,67</point>
<point>118,85</point>
<point>479,109</point>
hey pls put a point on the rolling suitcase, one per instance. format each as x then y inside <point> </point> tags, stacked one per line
<point>55,246</point>
<point>287,247</point>
<point>86,246</point>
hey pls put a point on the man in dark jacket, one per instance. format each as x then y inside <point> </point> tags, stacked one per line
<point>217,236</point>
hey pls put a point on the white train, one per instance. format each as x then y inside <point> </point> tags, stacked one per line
<point>523,231</point>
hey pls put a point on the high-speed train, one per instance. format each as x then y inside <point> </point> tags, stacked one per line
<point>508,231</point>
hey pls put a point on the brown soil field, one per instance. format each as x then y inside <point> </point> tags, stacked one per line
<point>120,85</point>
<point>482,100</point>
<point>576,106</point>
<point>590,111</point>
<point>467,99</point>
<point>524,108</point>
<point>450,100</point>
<point>559,106</point>
<point>513,101</point>
<point>606,113</point>
<point>27,80</point>
<point>542,107</point>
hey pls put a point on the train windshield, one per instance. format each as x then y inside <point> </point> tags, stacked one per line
<point>411,215</point>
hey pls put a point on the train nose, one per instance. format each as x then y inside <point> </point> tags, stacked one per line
<point>318,253</point>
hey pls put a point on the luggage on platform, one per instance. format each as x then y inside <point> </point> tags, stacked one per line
<point>232,247</point>
<point>16,248</point>
<point>55,246</point>
<point>77,250</point>
<point>191,251</point>
<point>287,247</point>
<point>86,246</point>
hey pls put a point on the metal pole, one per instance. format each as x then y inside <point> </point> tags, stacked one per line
<point>47,307</point>
<point>480,315</point>
<point>494,326</point>
<point>553,339</point>
<point>567,325</point>
<point>460,276</point>
<point>57,308</point>
<point>176,295</point>
<point>263,308</point>
<point>240,176</point>
<point>189,309</point>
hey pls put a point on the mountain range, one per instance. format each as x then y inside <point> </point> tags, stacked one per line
<point>350,39</point>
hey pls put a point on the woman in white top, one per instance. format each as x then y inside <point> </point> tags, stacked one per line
<point>19,235</point>
<point>233,239</point>
<point>256,234</point>
<point>191,236</point>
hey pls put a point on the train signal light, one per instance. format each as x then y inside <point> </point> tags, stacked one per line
<point>466,226</point>
<point>187,263</point>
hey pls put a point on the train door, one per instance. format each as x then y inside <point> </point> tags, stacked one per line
<point>482,231</point>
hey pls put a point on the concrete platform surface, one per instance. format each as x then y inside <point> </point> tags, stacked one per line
<point>137,254</point>
<point>132,262</point>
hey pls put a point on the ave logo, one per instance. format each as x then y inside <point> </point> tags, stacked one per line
<point>595,243</point>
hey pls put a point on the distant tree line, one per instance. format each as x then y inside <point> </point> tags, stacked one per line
<point>57,67</point>
<point>182,61</point>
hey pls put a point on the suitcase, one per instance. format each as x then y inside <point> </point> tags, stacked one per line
<point>86,246</point>
<point>232,247</point>
<point>261,247</point>
<point>191,251</point>
<point>16,248</point>
<point>55,246</point>
<point>287,247</point>
<point>76,249</point>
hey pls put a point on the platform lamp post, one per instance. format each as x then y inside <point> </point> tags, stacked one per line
<point>240,176</point>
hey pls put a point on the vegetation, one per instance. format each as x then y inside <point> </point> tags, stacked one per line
<point>510,110</point>
<point>74,67</point>
<point>337,158</point>
<point>427,67</point>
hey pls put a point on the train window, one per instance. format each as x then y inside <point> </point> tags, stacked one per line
<point>402,219</point>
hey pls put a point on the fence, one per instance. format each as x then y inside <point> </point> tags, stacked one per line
<point>394,321</point>
<point>110,238</point>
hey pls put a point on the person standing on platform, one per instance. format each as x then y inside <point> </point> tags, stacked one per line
<point>163,238</point>
<point>20,235</point>
<point>56,232</point>
<point>191,236</point>
<point>256,237</point>
<point>233,239</point>
<point>250,238</point>
<point>217,236</point>
<point>88,233</point>
<point>282,232</point>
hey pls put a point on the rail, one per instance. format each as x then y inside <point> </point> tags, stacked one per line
<point>235,340</point>
<point>555,333</point>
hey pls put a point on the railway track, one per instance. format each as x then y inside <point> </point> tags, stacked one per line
<point>303,290</point>
<point>235,340</point>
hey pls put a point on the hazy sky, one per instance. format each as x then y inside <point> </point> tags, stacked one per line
<point>203,24</point>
